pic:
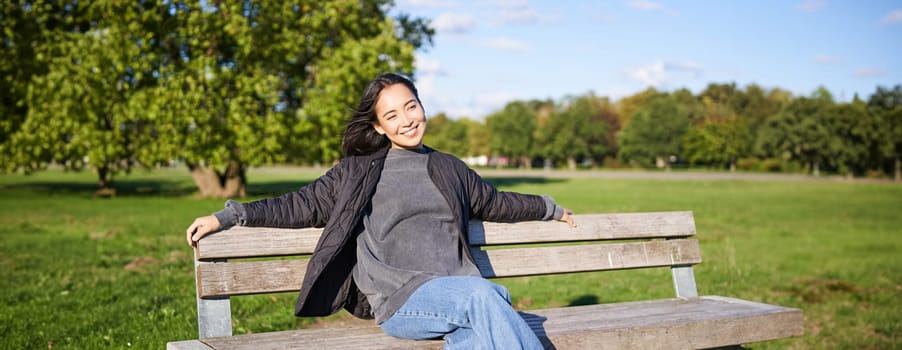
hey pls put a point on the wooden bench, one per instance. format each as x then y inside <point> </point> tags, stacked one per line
<point>600,242</point>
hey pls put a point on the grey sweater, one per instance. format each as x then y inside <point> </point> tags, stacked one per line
<point>410,236</point>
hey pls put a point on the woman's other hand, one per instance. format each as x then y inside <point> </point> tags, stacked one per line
<point>201,227</point>
<point>568,217</point>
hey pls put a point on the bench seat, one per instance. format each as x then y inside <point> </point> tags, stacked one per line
<point>666,323</point>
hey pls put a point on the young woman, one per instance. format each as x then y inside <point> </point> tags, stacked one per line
<point>395,215</point>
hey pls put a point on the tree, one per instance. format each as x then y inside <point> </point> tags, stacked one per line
<point>760,104</point>
<point>886,105</point>
<point>86,67</point>
<point>478,137</point>
<point>220,85</point>
<point>654,133</point>
<point>448,135</point>
<point>627,106</point>
<point>512,131</point>
<point>579,130</point>
<point>720,136</point>
<point>800,132</point>
<point>19,34</point>
<point>718,140</point>
<point>259,95</point>
<point>856,137</point>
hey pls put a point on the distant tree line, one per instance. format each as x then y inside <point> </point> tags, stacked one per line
<point>723,127</point>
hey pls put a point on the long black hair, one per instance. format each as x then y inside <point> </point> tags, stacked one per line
<point>360,138</point>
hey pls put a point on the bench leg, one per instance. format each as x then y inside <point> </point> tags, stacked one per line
<point>214,315</point>
<point>684,281</point>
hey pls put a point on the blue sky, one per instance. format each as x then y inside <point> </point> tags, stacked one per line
<point>487,53</point>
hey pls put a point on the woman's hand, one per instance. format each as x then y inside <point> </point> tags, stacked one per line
<point>201,227</point>
<point>568,218</point>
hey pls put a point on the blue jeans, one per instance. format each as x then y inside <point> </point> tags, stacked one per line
<point>469,312</point>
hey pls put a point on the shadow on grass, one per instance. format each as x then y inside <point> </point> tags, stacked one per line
<point>148,188</point>
<point>174,188</point>
<point>126,188</point>
<point>584,300</point>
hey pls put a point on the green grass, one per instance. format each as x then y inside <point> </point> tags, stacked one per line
<point>85,273</point>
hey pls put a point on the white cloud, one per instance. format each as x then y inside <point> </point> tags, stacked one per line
<point>495,100</point>
<point>650,75</point>
<point>522,15</point>
<point>663,73</point>
<point>512,3</point>
<point>482,105</point>
<point>827,59</point>
<point>868,72</point>
<point>477,106</point>
<point>453,23</point>
<point>812,5</point>
<point>505,43</point>
<point>894,17</point>
<point>427,70</point>
<point>651,6</point>
<point>428,66</point>
<point>645,5</point>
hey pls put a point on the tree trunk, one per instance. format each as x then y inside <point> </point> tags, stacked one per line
<point>526,162</point>
<point>816,168</point>
<point>214,184</point>
<point>898,169</point>
<point>104,182</point>
<point>732,164</point>
<point>571,163</point>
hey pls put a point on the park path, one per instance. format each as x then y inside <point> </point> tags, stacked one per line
<point>664,175</point>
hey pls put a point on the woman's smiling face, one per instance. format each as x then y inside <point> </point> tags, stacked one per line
<point>400,117</point>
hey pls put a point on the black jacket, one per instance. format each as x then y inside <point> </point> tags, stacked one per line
<point>338,200</point>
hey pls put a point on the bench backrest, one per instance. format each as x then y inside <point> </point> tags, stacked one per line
<point>601,242</point>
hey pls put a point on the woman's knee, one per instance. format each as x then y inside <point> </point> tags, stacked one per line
<point>485,289</point>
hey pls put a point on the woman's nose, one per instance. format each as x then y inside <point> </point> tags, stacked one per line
<point>405,119</point>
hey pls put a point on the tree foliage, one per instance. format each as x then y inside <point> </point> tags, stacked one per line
<point>800,132</point>
<point>886,105</point>
<point>718,140</point>
<point>578,130</point>
<point>655,132</point>
<point>220,85</point>
<point>513,130</point>
<point>448,135</point>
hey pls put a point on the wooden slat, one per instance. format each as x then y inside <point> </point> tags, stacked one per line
<point>240,242</point>
<point>244,242</point>
<point>589,227</point>
<point>589,257</point>
<point>252,277</point>
<point>697,323</point>
<point>657,324</point>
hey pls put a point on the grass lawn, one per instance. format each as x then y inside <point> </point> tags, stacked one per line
<point>87,273</point>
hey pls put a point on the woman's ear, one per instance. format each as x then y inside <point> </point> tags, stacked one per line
<point>378,128</point>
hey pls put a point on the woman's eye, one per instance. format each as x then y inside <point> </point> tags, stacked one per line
<point>412,107</point>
